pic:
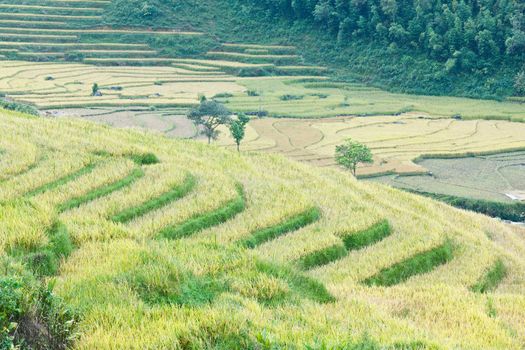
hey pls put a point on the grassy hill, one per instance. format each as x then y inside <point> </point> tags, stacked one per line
<point>149,242</point>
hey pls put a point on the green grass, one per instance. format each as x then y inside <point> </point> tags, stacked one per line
<point>416,265</point>
<point>46,261</point>
<point>175,193</point>
<point>62,181</point>
<point>322,257</point>
<point>491,279</point>
<point>359,99</point>
<point>304,285</point>
<point>206,220</point>
<point>145,159</point>
<point>368,237</point>
<point>355,241</point>
<point>102,191</point>
<point>292,224</point>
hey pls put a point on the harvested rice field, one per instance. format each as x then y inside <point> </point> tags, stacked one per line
<point>496,177</point>
<point>395,141</point>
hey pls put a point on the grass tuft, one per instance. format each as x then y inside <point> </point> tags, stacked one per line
<point>491,279</point>
<point>145,159</point>
<point>416,265</point>
<point>175,193</point>
<point>292,224</point>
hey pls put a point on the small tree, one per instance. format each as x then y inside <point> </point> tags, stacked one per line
<point>238,128</point>
<point>352,153</point>
<point>210,115</point>
<point>94,89</point>
<point>519,83</point>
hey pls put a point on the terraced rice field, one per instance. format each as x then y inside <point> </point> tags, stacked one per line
<point>157,222</point>
<point>65,30</point>
<point>320,98</point>
<point>54,85</point>
<point>395,141</point>
<point>496,177</point>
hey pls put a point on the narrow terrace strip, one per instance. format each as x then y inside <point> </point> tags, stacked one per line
<point>416,265</point>
<point>102,191</point>
<point>62,181</point>
<point>490,281</point>
<point>292,224</point>
<point>355,241</point>
<point>174,194</point>
<point>202,221</point>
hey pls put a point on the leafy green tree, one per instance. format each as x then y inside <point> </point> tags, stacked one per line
<point>94,89</point>
<point>238,129</point>
<point>209,115</point>
<point>352,153</point>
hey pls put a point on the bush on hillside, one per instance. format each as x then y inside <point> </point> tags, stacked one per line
<point>32,316</point>
<point>18,107</point>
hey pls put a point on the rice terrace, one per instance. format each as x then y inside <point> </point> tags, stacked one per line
<point>242,174</point>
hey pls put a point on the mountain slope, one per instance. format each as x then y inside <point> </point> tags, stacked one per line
<point>176,244</point>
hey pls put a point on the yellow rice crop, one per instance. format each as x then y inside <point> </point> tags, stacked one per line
<point>435,308</point>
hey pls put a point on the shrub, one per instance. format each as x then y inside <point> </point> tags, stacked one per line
<point>145,159</point>
<point>291,97</point>
<point>223,95</point>
<point>74,56</point>
<point>31,316</point>
<point>18,107</point>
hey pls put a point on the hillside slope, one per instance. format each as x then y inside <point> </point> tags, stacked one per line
<point>466,48</point>
<point>176,244</point>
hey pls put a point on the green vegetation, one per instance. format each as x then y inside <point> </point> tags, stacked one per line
<point>206,220</point>
<point>426,49</point>
<point>322,257</point>
<point>19,107</point>
<point>352,153</point>
<point>491,279</point>
<point>209,116</point>
<point>102,191</point>
<point>506,211</point>
<point>177,192</point>
<point>238,128</point>
<point>368,237</point>
<point>354,241</point>
<point>145,159</point>
<point>418,264</point>
<point>31,316</point>
<point>308,287</point>
<point>293,223</point>
<point>45,261</point>
<point>62,181</point>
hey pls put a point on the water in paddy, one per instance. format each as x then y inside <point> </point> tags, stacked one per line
<point>482,177</point>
